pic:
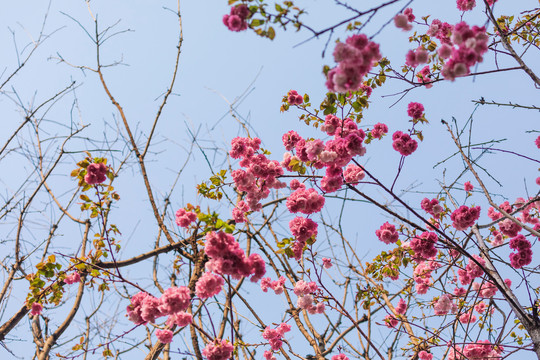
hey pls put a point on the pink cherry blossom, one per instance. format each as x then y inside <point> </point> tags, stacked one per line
<point>208,285</point>
<point>387,233</point>
<point>37,308</point>
<point>403,143</point>
<point>96,173</point>
<point>294,98</point>
<point>73,278</point>
<point>465,217</point>
<point>184,218</point>
<point>218,350</point>
<point>164,336</point>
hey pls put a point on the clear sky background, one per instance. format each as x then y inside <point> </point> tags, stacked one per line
<point>218,67</point>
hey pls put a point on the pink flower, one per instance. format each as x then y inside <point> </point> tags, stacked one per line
<point>537,142</point>
<point>403,21</point>
<point>468,186</point>
<point>379,130</point>
<point>306,201</point>
<point>208,285</point>
<point>227,258</point>
<point>277,285</point>
<point>415,110</point>
<point>424,245</point>
<point>181,319</point>
<point>403,143</point>
<point>401,307</point>
<point>164,336</point>
<point>353,174</point>
<point>424,355</point>
<point>73,278</point>
<point>236,20</point>
<point>480,307</point>
<point>218,350</point>
<point>36,309</point>
<point>466,5</point>
<point>327,263</point>
<point>183,218</point>
<point>390,321</point>
<point>432,206</point>
<point>524,253</point>
<point>416,57</point>
<point>443,305</point>
<point>294,98</point>
<point>95,174</point>
<point>509,228</point>
<point>465,217</point>
<point>355,57</point>
<point>340,357</point>
<point>274,336</point>
<point>173,300</point>
<point>387,233</point>
<point>239,212</point>
<point>467,318</point>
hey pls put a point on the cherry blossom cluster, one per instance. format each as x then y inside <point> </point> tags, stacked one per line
<point>417,57</point>
<point>306,201</point>
<point>277,285</point>
<point>236,20</point>
<point>415,110</point>
<point>468,186</point>
<point>36,309</point>
<point>172,303</point>
<point>422,275</point>
<point>524,253</point>
<point>260,176</point>
<point>481,350</point>
<point>441,31</point>
<point>305,292</point>
<point>403,143</point>
<point>404,20</point>
<point>466,49</point>
<point>467,5</point>
<point>184,218</point>
<point>294,98</point>
<point>471,271</point>
<point>355,57</point>
<point>425,77</point>
<point>467,318</point>
<point>401,307</point>
<point>73,278</point>
<point>424,355</point>
<point>96,173</point>
<point>379,130</point>
<point>353,174</point>
<point>444,305</point>
<point>390,321</point>
<point>208,285</point>
<point>432,207</point>
<point>218,350</point>
<point>424,245</point>
<point>275,336</point>
<point>465,217</point>
<point>333,155</point>
<point>228,258</point>
<point>498,239</point>
<point>302,229</point>
<point>387,233</point>
<point>485,290</point>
